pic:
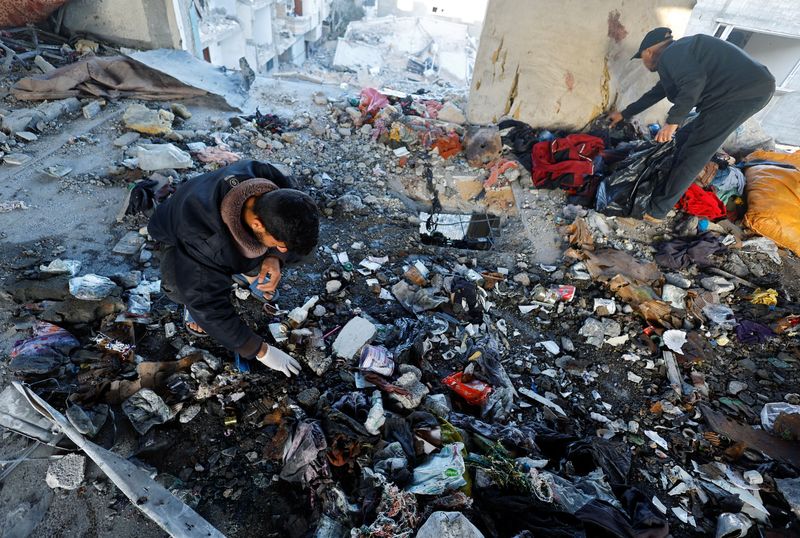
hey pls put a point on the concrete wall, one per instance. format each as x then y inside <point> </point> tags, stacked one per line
<point>560,63</point>
<point>775,43</point>
<point>133,23</point>
<point>780,54</point>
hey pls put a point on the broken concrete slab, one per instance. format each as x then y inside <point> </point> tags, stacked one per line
<point>27,118</point>
<point>126,139</point>
<point>356,334</point>
<point>29,291</point>
<point>76,311</point>
<point>66,472</point>
<point>451,113</point>
<point>141,119</point>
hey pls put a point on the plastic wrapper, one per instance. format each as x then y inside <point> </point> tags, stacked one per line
<point>442,472</point>
<point>372,101</point>
<point>720,315</point>
<point>59,266</point>
<point>376,359</point>
<point>732,525</point>
<point>627,191</point>
<point>474,392</point>
<point>772,410</point>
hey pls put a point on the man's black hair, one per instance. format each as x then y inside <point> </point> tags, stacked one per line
<point>290,216</point>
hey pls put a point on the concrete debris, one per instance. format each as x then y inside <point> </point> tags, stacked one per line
<point>357,333</point>
<point>143,120</point>
<point>443,347</point>
<point>126,139</point>
<point>91,110</point>
<point>66,472</point>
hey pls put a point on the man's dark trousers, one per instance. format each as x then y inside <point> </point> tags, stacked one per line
<point>697,143</point>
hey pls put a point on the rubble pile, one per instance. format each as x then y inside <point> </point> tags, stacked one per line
<point>644,385</point>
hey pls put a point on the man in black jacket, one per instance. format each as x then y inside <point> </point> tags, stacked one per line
<point>720,80</point>
<point>239,219</point>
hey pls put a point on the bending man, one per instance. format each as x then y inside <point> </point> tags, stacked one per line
<point>241,219</point>
<point>720,80</point>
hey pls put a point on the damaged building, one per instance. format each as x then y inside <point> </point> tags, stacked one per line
<point>267,33</point>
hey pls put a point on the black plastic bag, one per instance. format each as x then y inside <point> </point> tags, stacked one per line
<point>627,191</point>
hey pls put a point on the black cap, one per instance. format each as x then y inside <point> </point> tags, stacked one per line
<point>653,37</point>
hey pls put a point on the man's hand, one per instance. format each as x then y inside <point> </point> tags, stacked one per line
<point>615,117</point>
<point>272,357</point>
<point>271,267</point>
<point>666,133</point>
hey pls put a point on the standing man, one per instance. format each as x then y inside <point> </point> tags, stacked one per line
<point>236,221</point>
<point>717,78</point>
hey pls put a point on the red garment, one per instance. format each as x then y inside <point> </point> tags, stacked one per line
<point>565,162</point>
<point>701,203</point>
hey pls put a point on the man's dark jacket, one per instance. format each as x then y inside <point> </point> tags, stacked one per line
<point>703,71</point>
<point>206,255</point>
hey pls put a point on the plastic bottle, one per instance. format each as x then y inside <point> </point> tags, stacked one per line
<point>299,315</point>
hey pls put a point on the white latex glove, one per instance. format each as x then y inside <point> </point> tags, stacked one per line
<point>278,360</point>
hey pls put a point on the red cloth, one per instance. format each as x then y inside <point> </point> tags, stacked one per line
<point>565,162</point>
<point>701,203</point>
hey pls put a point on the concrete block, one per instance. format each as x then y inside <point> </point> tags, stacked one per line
<point>356,334</point>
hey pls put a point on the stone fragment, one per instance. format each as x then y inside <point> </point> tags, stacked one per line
<point>146,121</point>
<point>16,159</point>
<point>522,278</point>
<point>88,421</point>
<point>349,203</point>
<point>735,387</point>
<point>451,113</point>
<point>410,379</point>
<point>27,136</point>
<point>66,472</point>
<point>320,98</point>
<point>308,398</point>
<point>676,279</point>
<point>333,286</point>
<point>126,139</point>
<point>180,110</point>
<point>790,489</point>
<point>146,409</point>
<point>91,110</point>
<point>43,65</point>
